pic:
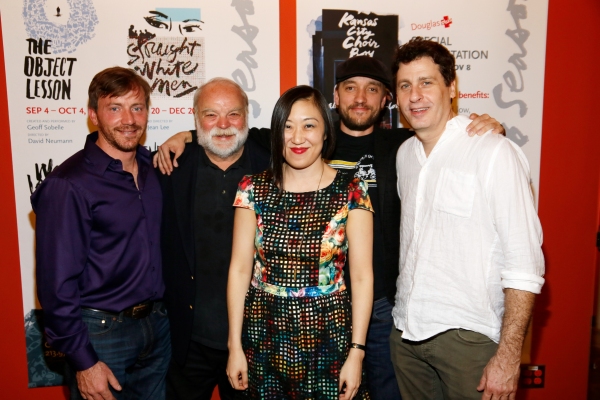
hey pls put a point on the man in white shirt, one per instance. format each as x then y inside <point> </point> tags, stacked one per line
<point>470,243</point>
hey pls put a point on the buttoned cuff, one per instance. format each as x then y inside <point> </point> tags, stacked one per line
<point>522,281</point>
<point>83,358</point>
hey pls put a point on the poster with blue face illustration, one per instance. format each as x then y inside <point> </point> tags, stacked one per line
<point>168,49</point>
<point>53,49</point>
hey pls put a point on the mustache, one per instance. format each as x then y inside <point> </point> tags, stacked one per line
<point>216,131</point>
<point>361,105</point>
<point>219,132</point>
<point>127,127</point>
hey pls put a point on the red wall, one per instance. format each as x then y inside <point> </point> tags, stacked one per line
<point>569,208</point>
<point>569,203</point>
<point>13,363</point>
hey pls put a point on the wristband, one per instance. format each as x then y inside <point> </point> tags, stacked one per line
<point>358,346</point>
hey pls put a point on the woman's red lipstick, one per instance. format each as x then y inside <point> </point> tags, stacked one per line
<point>299,150</point>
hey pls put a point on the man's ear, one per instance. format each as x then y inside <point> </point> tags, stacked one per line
<point>388,97</point>
<point>336,96</point>
<point>93,116</point>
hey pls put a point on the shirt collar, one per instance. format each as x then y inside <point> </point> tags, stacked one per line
<point>100,161</point>
<point>453,128</point>
<point>242,162</point>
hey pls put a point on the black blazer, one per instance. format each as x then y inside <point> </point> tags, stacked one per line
<point>177,240</point>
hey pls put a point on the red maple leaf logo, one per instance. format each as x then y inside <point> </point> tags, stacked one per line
<point>446,21</point>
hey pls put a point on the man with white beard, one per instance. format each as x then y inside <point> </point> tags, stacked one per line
<point>197,235</point>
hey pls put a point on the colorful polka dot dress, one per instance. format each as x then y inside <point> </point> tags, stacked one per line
<point>297,319</point>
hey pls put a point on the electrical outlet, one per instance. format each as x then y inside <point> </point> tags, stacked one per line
<point>532,376</point>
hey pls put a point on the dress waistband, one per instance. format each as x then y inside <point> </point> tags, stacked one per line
<point>309,291</point>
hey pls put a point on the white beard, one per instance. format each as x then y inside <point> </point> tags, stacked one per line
<point>205,140</point>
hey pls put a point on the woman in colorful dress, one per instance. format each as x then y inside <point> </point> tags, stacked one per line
<point>294,332</point>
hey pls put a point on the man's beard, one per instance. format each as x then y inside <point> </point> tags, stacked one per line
<point>205,140</point>
<point>356,125</point>
<point>119,142</point>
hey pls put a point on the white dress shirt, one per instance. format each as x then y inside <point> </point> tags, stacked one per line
<point>468,230</point>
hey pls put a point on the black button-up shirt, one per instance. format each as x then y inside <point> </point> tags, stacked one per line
<point>213,222</point>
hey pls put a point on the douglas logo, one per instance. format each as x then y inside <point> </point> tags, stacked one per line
<point>446,22</point>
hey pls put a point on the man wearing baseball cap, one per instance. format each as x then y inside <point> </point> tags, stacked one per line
<point>363,88</point>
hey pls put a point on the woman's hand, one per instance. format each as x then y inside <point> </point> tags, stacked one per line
<point>237,369</point>
<point>351,374</point>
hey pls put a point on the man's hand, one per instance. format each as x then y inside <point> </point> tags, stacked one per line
<point>93,382</point>
<point>500,379</point>
<point>501,374</point>
<point>483,123</point>
<point>175,144</point>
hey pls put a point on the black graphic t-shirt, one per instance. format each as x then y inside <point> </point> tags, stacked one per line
<point>357,153</point>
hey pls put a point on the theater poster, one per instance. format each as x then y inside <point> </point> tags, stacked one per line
<point>499,48</point>
<point>54,48</point>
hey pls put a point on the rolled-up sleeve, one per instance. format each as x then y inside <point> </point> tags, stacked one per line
<point>63,229</point>
<point>515,218</point>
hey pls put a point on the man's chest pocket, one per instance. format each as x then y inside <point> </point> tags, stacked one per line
<point>455,193</point>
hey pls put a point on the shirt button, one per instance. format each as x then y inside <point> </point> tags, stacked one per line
<point>191,308</point>
<point>192,277</point>
<point>417,229</point>
<point>224,191</point>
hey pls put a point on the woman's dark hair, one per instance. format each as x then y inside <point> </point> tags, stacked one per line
<point>281,113</point>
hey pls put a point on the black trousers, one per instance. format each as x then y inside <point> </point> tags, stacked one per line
<point>203,370</point>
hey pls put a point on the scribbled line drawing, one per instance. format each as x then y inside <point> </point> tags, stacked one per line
<point>519,35</point>
<point>187,20</point>
<point>247,33</point>
<point>41,172</point>
<point>172,64</point>
<point>141,37</point>
<point>66,36</point>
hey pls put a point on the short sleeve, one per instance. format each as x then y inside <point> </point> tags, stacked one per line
<point>244,198</point>
<point>358,196</point>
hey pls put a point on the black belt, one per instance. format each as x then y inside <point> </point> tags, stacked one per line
<point>139,311</point>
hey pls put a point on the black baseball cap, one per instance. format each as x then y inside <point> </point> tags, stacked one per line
<point>363,66</point>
